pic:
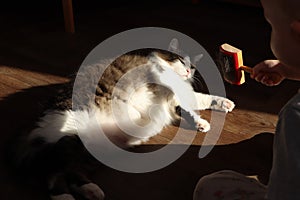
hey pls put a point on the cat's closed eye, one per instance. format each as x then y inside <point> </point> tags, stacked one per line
<point>181,60</point>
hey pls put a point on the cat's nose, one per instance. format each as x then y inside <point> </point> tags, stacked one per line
<point>188,71</point>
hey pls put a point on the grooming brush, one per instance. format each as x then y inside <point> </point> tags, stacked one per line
<point>231,62</point>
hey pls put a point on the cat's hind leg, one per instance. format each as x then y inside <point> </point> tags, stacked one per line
<point>70,181</point>
<point>65,186</point>
<point>58,188</point>
<point>81,185</point>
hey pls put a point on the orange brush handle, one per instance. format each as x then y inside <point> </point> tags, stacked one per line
<point>246,69</point>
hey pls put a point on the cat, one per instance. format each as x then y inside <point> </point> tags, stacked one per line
<point>125,89</point>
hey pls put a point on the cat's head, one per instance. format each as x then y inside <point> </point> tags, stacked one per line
<point>177,63</point>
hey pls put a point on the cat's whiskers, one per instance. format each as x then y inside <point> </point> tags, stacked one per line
<point>197,81</point>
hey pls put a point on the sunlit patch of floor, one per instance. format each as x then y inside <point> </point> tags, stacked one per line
<point>14,79</point>
<point>238,125</point>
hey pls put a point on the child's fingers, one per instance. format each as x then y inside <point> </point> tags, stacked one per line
<point>259,77</point>
<point>267,81</point>
<point>257,70</point>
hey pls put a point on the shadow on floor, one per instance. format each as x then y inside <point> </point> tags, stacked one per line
<point>176,181</point>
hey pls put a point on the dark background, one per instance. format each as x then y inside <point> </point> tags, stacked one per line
<point>32,38</point>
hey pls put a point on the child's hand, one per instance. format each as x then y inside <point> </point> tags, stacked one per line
<point>268,72</point>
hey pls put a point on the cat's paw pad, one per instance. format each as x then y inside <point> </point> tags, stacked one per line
<point>62,197</point>
<point>202,125</point>
<point>90,191</point>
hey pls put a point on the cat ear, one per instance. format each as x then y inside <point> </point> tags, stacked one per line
<point>187,61</point>
<point>197,58</point>
<point>174,45</point>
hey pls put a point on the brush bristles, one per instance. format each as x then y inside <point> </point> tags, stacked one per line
<point>230,60</point>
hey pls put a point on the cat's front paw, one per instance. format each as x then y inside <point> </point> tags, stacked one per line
<point>202,125</point>
<point>227,105</point>
<point>222,104</point>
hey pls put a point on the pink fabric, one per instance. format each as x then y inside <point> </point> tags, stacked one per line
<point>229,185</point>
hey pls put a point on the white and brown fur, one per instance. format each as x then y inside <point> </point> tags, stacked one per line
<point>54,138</point>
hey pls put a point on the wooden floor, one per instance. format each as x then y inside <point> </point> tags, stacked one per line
<point>36,56</point>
